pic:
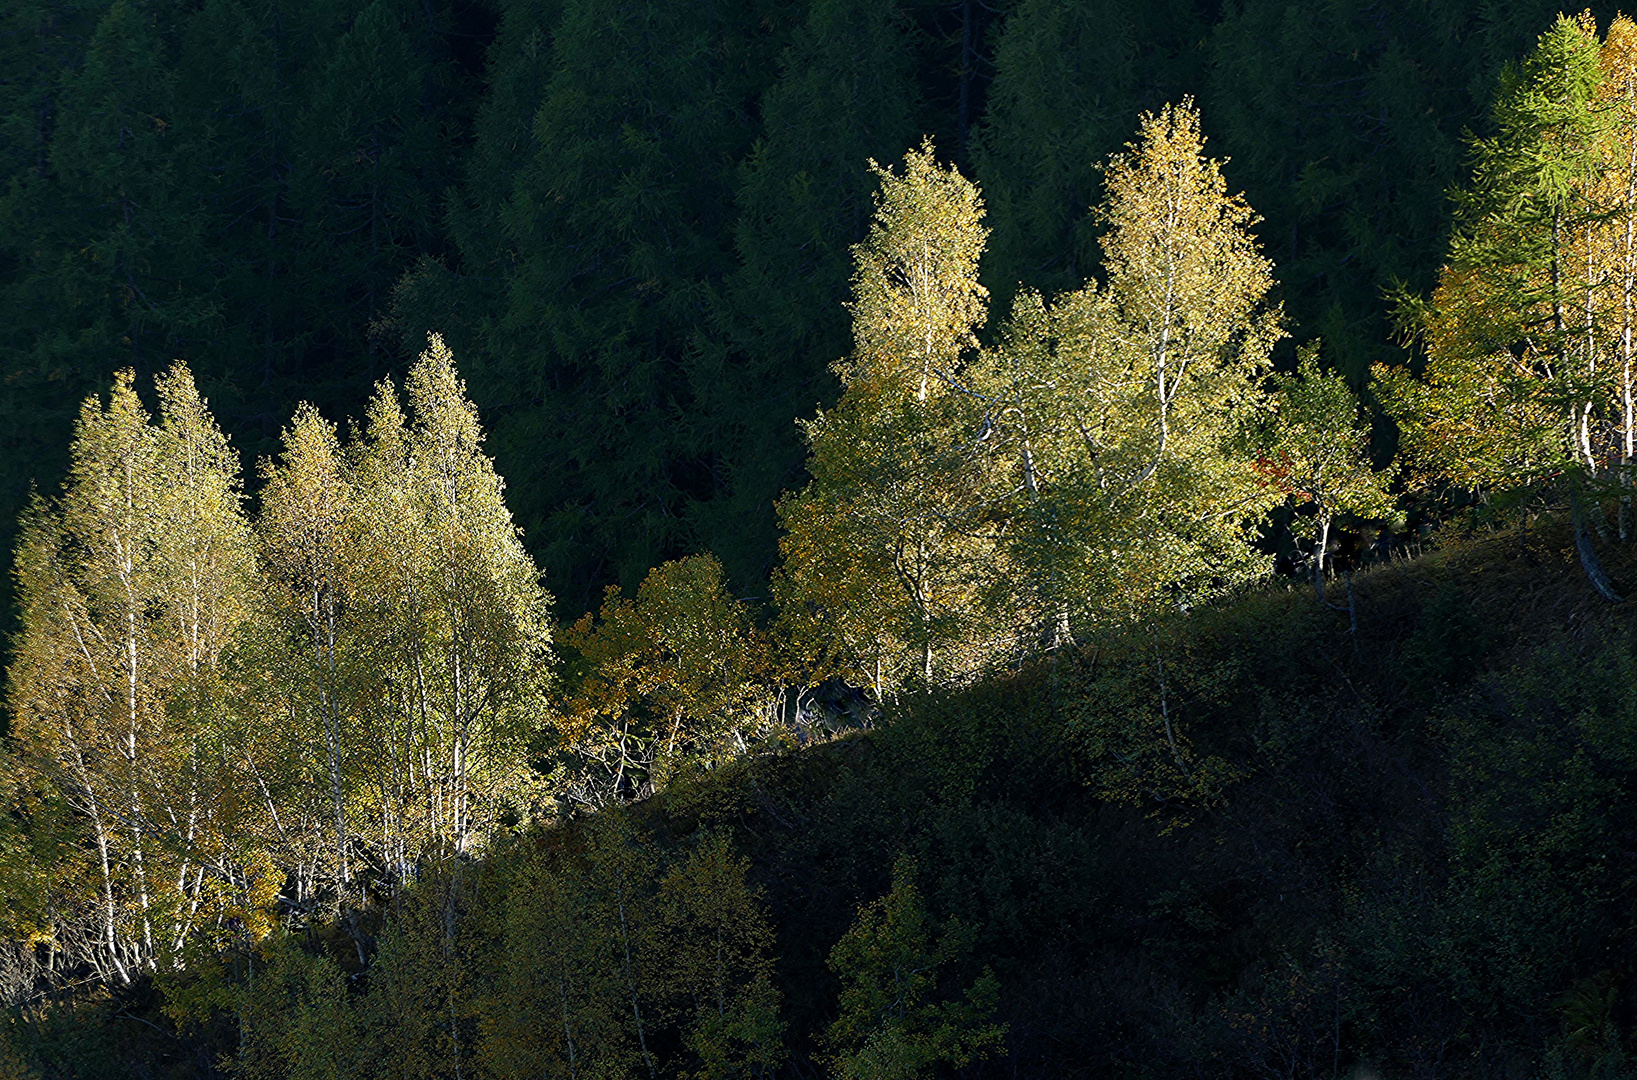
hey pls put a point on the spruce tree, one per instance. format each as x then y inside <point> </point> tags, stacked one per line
<point>846,95</point>
<point>38,40</point>
<point>622,222</point>
<point>519,71</point>
<point>1345,126</point>
<point>108,231</point>
<point>1068,78</point>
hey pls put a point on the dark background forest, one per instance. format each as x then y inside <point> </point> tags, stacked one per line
<point>632,221</point>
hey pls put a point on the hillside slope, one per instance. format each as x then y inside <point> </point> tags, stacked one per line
<point>1255,843</point>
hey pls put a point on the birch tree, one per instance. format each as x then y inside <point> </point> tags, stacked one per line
<point>132,586</point>
<point>679,678</point>
<point>887,552</point>
<point>1123,411</point>
<point>205,557</point>
<point>455,612</point>
<point>307,510</point>
<point>1321,456</point>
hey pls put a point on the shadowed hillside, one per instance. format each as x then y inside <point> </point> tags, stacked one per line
<point>1408,851</point>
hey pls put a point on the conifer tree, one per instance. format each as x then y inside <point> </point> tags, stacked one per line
<point>245,74</point>
<point>458,292</point>
<point>1353,205</point>
<point>114,156</point>
<point>1516,393</point>
<point>891,1022</point>
<point>846,94</point>
<point>621,223</point>
<point>1068,78</point>
<point>38,40</point>
<point>368,169</point>
<point>100,236</point>
<point>519,70</point>
<point>887,551</point>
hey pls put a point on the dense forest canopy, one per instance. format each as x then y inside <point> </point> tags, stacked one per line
<point>631,221</point>
<point>932,401</point>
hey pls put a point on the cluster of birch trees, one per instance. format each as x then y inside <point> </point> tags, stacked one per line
<point>300,709</point>
<point>286,710</point>
<point>1117,448</point>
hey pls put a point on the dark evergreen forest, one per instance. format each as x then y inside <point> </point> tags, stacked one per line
<point>817,538</point>
<point>631,221</point>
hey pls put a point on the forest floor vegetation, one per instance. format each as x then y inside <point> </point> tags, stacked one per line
<point>1253,842</point>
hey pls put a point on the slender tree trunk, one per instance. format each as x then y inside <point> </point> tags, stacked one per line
<point>1589,561</point>
<point>1628,292</point>
<point>630,973</point>
<point>332,717</point>
<point>1591,366</point>
<point>1318,556</point>
<point>109,911</point>
<point>1559,343</point>
<point>568,1032</point>
<point>1165,708</point>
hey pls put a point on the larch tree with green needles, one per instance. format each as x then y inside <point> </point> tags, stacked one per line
<point>1527,334</point>
<point>893,1022</point>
